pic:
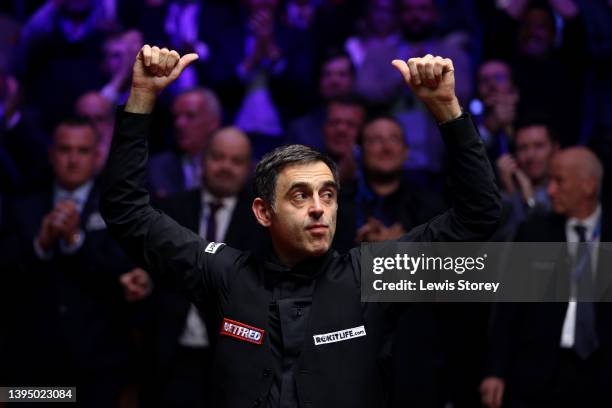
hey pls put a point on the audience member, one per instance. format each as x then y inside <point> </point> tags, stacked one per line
<point>23,145</point>
<point>197,113</point>
<point>99,111</point>
<point>379,42</point>
<point>383,204</point>
<point>495,110</point>
<point>524,176</point>
<point>119,50</point>
<point>557,354</point>
<point>59,56</point>
<point>345,118</point>
<point>336,79</point>
<point>70,325</point>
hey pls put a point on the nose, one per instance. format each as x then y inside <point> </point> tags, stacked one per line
<point>316,209</point>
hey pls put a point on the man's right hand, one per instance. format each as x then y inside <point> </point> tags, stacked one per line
<point>153,71</point>
<point>492,392</point>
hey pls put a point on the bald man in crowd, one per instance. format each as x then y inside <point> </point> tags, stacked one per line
<point>100,112</point>
<point>197,114</point>
<point>558,354</point>
<point>219,211</point>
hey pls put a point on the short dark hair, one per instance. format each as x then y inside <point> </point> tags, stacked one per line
<point>537,120</point>
<point>77,121</point>
<point>270,166</point>
<point>334,53</point>
<point>381,117</point>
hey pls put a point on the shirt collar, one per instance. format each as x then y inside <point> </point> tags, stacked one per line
<point>79,194</point>
<point>228,202</point>
<point>590,222</point>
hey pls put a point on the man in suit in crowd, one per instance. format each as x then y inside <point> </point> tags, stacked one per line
<point>197,113</point>
<point>219,211</point>
<point>558,354</point>
<point>69,281</point>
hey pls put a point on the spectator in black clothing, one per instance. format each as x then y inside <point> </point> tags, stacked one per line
<point>23,145</point>
<point>69,324</point>
<point>59,56</point>
<point>336,78</point>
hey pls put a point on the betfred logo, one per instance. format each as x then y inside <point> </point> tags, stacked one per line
<point>242,331</point>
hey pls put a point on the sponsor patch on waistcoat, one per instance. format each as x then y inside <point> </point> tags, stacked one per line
<point>213,247</point>
<point>242,331</point>
<point>340,335</point>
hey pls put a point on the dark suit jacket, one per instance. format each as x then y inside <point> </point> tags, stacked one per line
<point>524,344</point>
<point>165,174</point>
<point>68,314</point>
<point>243,232</point>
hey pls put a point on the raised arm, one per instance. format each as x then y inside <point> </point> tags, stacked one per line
<point>476,202</point>
<point>152,239</point>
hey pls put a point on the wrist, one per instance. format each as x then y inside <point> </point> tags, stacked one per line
<point>141,101</point>
<point>445,111</point>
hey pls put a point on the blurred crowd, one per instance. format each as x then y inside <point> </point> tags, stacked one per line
<point>536,76</point>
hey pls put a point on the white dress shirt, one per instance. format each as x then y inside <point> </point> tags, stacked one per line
<point>590,223</point>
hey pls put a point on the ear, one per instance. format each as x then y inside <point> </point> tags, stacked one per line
<point>262,212</point>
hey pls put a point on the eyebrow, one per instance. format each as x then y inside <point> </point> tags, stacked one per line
<point>302,184</point>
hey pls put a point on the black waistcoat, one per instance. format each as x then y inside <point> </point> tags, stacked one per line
<point>340,374</point>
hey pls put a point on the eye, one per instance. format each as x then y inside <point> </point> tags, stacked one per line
<point>328,195</point>
<point>299,196</point>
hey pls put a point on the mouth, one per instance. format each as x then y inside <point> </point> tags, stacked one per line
<point>317,228</point>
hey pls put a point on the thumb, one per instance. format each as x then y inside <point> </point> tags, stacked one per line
<point>184,63</point>
<point>402,67</point>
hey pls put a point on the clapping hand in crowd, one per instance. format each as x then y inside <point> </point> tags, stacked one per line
<point>61,223</point>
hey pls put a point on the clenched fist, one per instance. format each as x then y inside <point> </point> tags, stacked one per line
<point>433,82</point>
<point>153,71</point>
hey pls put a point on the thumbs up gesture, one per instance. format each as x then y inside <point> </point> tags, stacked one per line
<point>432,80</point>
<point>153,71</point>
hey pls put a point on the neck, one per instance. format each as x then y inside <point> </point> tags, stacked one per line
<point>384,184</point>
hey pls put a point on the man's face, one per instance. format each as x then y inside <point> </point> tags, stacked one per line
<point>336,78</point>
<point>537,33</point>
<point>304,216</point>
<point>566,185</point>
<point>382,17</point>
<point>97,109</point>
<point>494,78</point>
<point>193,122</point>
<point>418,16</point>
<point>227,163</point>
<point>342,128</point>
<point>73,155</point>
<point>384,149</point>
<point>534,150</point>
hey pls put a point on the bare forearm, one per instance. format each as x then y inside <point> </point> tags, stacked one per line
<point>140,101</point>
